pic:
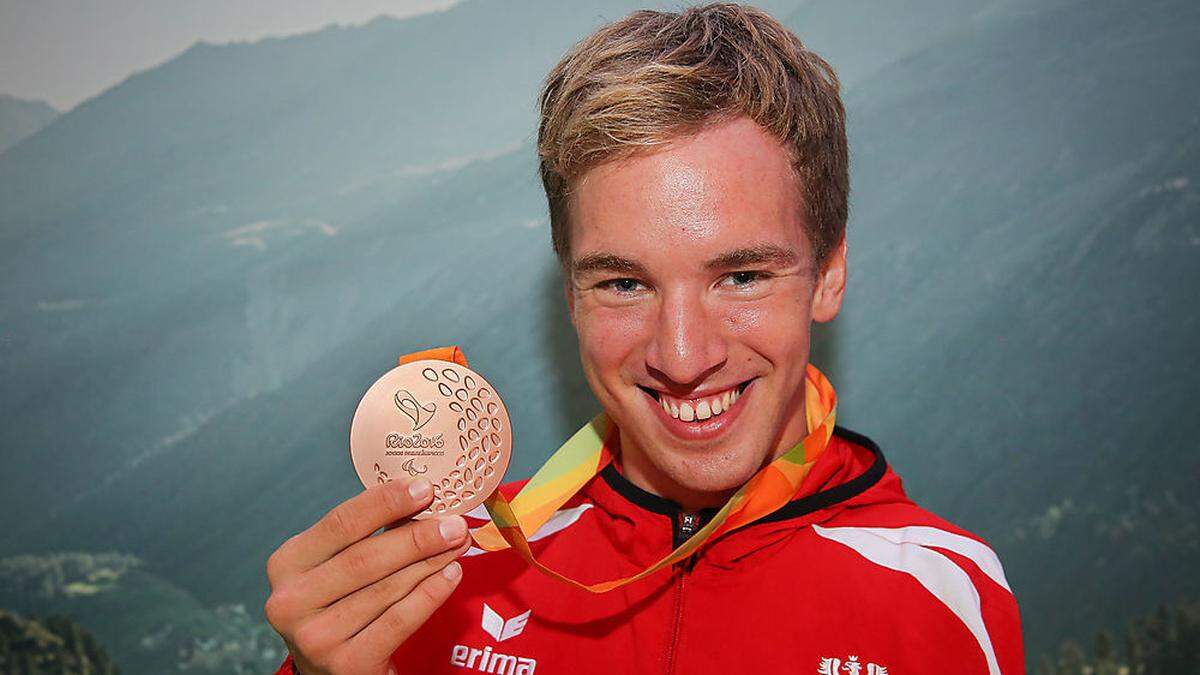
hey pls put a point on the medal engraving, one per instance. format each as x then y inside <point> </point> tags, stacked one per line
<point>437,420</point>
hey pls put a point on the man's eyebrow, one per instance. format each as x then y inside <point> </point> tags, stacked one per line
<point>751,256</point>
<point>606,262</point>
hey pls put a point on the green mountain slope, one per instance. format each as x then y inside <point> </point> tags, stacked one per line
<point>53,645</point>
<point>144,622</point>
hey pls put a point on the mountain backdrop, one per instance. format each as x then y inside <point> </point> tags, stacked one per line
<point>203,268</point>
<point>20,118</point>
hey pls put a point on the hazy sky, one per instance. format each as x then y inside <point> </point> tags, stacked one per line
<point>65,51</point>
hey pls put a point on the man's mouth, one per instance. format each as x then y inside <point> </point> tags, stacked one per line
<point>699,408</point>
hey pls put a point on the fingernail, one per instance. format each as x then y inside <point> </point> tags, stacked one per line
<point>452,571</point>
<point>452,528</point>
<point>419,488</point>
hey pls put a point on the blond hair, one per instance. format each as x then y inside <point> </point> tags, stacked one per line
<point>650,77</point>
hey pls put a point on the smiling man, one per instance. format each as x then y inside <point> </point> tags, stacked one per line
<point>696,170</point>
<point>692,287</point>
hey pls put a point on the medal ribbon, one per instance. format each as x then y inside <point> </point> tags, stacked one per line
<point>587,452</point>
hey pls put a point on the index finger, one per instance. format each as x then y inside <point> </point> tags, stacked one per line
<point>355,519</point>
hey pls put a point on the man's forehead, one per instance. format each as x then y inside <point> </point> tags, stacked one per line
<point>700,199</point>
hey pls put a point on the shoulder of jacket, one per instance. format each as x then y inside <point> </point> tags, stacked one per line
<point>904,524</point>
<point>959,569</point>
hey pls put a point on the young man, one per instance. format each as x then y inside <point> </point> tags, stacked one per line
<point>696,170</point>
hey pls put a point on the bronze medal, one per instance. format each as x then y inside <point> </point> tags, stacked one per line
<point>436,420</point>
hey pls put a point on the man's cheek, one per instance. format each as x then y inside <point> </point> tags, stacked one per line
<point>749,319</point>
<point>781,321</point>
<point>596,343</point>
<point>610,335</point>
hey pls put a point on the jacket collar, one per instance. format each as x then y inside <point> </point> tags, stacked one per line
<point>648,526</point>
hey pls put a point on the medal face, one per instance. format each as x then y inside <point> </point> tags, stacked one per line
<point>436,420</point>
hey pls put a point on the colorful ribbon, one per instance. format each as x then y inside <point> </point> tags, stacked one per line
<point>588,451</point>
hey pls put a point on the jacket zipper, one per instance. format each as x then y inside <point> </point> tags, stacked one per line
<point>685,525</point>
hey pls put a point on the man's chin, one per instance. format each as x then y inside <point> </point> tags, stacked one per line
<point>714,475</point>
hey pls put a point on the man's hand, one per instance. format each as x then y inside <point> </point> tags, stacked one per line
<point>343,600</point>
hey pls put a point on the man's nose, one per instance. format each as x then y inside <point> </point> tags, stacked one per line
<point>688,342</point>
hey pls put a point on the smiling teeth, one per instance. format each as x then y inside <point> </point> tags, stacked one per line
<point>698,409</point>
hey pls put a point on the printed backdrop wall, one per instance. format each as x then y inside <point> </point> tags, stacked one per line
<point>203,267</point>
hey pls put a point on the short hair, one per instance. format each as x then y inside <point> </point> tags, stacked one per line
<point>651,77</point>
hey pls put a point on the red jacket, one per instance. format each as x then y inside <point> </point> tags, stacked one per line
<point>853,579</point>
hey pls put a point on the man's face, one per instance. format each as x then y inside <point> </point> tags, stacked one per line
<point>691,283</point>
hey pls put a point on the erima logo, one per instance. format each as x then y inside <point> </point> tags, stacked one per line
<point>487,661</point>
<point>498,628</point>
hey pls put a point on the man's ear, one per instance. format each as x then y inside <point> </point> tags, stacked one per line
<point>831,285</point>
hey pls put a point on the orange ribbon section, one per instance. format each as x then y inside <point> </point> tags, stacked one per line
<point>588,451</point>
<point>451,353</point>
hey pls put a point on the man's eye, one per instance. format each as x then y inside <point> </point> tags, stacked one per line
<point>742,279</point>
<point>620,285</point>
